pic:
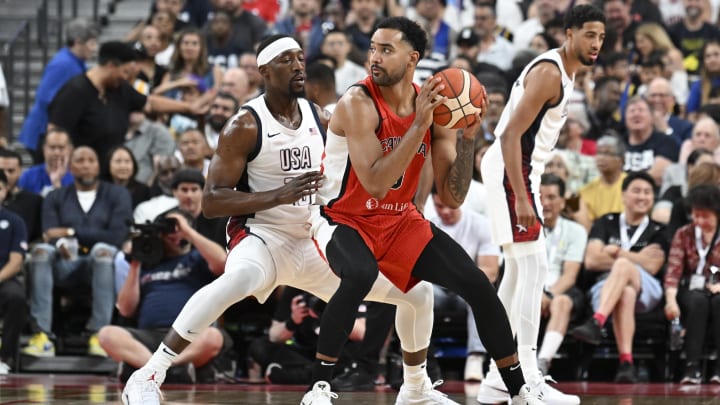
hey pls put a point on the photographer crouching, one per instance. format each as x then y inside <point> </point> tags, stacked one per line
<point>169,262</point>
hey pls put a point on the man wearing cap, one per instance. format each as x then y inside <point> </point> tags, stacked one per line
<point>80,45</point>
<point>187,189</point>
<point>468,44</point>
<point>95,107</point>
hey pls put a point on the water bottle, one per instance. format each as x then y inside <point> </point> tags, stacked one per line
<point>676,338</point>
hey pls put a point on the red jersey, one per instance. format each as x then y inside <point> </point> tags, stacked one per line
<point>392,228</point>
<point>344,194</point>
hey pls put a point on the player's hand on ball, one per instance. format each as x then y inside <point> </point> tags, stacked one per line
<point>427,100</point>
<point>476,129</point>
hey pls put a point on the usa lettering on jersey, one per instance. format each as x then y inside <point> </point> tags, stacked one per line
<point>295,158</point>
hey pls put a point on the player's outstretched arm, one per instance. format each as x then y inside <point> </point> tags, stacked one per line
<point>237,141</point>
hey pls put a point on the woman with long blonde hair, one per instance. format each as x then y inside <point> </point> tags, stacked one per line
<point>651,38</point>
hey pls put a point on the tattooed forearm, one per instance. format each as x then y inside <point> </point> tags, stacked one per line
<point>461,171</point>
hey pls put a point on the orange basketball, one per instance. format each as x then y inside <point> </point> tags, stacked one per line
<point>465,96</point>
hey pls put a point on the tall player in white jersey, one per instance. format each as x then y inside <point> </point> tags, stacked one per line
<point>264,175</point>
<point>511,170</point>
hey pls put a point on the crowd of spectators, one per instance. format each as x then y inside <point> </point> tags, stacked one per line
<point>126,130</point>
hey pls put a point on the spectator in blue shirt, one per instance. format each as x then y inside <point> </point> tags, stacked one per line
<point>83,227</point>
<point>53,174</point>
<point>13,245</point>
<point>81,45</point>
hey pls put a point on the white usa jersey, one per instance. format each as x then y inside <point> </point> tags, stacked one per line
<point>539,140</point>
<point>280,155</point>
<point>536,144</point>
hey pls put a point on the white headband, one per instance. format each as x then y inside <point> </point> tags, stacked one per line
<point>276,48</point>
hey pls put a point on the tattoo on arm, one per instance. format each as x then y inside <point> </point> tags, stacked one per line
<point>462,170</point>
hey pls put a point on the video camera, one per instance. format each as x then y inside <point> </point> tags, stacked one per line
<point>147,244</point>
<point>314,303</point>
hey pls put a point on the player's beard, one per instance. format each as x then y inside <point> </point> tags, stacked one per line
<point>296,93</point>
<point>586,61</point>
<point>386,78</point>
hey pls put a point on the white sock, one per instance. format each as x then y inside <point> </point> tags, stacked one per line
<point>528,362</point>
<point>550,345</point>
<point>162,359</point>
<point>414,376</point>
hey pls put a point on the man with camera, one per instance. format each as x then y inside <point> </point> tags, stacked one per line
<point>289,349</point>
<point>83,226</point>
<point>170,261</point>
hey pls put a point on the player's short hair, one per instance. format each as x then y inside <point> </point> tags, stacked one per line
<point>550,179</point>
<point>3,177</point>
<point>579,15</point>
<point>639,175</point>
<point>412,32</point>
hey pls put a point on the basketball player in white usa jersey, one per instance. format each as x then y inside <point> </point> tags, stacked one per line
<point>511,169</point>
<point>264,175</point>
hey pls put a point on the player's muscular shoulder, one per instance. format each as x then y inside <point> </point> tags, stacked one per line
<point>243,121</point>
<point>544,78</point>
<point>240,132</point>
<point>355,110</point>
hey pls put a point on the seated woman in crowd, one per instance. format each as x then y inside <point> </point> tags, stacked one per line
<point>120,168</point>
<point>692,287</point>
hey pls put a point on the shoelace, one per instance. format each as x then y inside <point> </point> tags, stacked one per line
<point>436,392</point>
<point>329,394</point>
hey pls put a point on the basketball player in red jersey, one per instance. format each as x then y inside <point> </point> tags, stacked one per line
<point>378,139</point>
<point>511,170</point>
<point>264,175</point>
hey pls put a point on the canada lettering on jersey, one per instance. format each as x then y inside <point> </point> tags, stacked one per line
<point>391,142</point>
<point>295,158</point>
